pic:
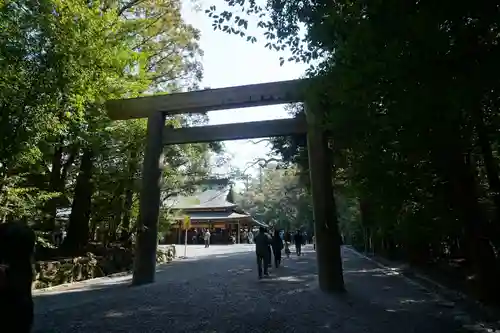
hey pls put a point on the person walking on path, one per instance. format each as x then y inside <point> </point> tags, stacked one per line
<point>262,242</point>
<point>298,239</point>
<point>250,237</point>
<point>206,237</point>
<point>277,245</point>
<point>287,249</point>
<point>288,237</point>
<point>269,247</point>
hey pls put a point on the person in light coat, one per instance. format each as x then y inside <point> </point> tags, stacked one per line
<point>206,237</point>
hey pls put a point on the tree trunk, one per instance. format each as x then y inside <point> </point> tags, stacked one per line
<point>57,182</point>
<point>129,197</point>
<point>127,212</point>
<point>364,210</point>
<point>365,239</point>
<point>118,210</point>
<point>370,242</point>
<point>448,149</point>
<point>93,230</point>
<point>78,228</point>
<point>69,162</point>
<point>54,186</point>
<point>479,248</point>
<point>149,211</point>
<point>326,228</point>
<point>492,174</point>
<point>490,164</point>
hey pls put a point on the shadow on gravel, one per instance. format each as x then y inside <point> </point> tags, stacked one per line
<point>224,295</point>
<point>101,285</point>
<point>201,260</point>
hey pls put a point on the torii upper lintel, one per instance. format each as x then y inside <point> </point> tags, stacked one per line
<point>199,101</point>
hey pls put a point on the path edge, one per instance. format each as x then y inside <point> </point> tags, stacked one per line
<point>464,302</point>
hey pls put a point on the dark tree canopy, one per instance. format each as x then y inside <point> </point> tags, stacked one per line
<point>410,94</point>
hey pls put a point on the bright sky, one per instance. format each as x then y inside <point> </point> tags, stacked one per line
<point>230,60</point>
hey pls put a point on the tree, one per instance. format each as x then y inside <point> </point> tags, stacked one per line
<point>58,147</point>
<point>411,100</point>
<point>279,200</point>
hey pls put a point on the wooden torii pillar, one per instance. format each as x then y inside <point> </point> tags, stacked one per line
<point>155,108</point>
<point>149,202</point>
<point>324,206</point>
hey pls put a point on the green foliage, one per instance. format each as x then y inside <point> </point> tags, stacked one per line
<point>409,92</point>
<point>60,60</point>
<point>20,201</point>
<point>278,198</point>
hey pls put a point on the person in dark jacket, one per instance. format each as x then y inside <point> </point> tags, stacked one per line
<point>287,237</point>
<point>298,239</point>
<point>269,247</point>
<point>277,245</point>
<point>262,242</point>
<point>17,243</point>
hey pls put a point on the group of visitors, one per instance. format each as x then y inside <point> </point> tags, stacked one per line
<point>205,236</point>
<point>269,244</point>
<point>299,239</point>
<point>201,237</point>
<point>247,237</point>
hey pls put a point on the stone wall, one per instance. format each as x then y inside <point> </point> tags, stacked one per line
<point>115,260</point>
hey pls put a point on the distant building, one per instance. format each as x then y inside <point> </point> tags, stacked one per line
<point>208,209</point>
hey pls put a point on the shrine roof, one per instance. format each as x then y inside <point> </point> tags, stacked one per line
<point>210,198</point>
<point>215,216</point>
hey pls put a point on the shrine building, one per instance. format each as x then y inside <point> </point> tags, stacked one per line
<point>208,208</point>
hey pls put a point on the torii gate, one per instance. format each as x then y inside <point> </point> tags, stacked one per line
<point>155,108</point>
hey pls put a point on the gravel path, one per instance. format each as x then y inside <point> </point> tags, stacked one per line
<point>220,292</point>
